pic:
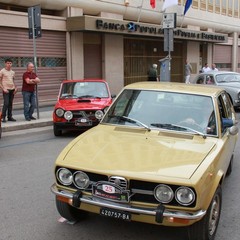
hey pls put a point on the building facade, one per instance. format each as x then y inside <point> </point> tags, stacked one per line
<point>117,40</point>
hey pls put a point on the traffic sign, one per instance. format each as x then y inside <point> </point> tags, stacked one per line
<point>169,20</point>
<point>34,22</point>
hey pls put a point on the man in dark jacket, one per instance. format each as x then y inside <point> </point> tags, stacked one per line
<point>30,80</point>
<point>152,73</point>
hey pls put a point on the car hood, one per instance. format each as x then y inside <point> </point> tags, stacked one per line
<point>136,153</point>
<point>86,103</point>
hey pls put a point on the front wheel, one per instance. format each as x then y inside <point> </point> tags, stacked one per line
<point>57,132</point>
<point>206,228</point>
<point>68,212</point>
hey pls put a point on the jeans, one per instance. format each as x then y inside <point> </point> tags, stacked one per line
<point>7,104</point>
<point>29,104</point>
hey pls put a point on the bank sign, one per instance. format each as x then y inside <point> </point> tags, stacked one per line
<point>114,26</point>
<point>136,28</point>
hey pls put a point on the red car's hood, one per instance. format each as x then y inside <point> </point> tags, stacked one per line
<point>85,103</point>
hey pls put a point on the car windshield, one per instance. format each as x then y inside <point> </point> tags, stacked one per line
<point>227,78</point>
<point>84,90</point>
<point>163,110</point>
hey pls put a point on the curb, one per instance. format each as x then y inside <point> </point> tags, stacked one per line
<point>23,125</point>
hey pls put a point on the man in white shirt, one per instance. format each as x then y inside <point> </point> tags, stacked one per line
<point>214,67</point>
<point>206,68</point>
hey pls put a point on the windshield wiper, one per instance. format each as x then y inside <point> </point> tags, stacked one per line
<point>86,96</point>
<point>176,127</point>
<point>69,96</point>
<point>131,120</point>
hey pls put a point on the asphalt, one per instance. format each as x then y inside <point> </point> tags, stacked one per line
<point>44,118</point>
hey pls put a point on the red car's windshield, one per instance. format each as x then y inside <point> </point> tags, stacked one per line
<point>84,90</point>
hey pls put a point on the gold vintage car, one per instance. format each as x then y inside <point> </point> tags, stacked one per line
<point>159,156</point>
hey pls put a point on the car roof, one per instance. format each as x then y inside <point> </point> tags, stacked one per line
<point>218,72</point>
<point>84,80</point>
<point>197,89</point>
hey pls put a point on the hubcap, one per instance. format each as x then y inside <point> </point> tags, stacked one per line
<point>214,215</point>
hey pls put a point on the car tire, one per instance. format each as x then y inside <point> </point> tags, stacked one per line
<point>70,213</point>
<point>229,170</point>
<point>206,228</point>
<point>57,131</point>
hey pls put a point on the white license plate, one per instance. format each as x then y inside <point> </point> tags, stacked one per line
<point>115,214</point>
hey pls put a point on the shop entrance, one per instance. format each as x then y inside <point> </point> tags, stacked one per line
<point>140,54</point>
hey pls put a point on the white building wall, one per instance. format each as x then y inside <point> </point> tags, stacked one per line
<point>113,57</point>
<point>77,57</point>
<point>193,57</point>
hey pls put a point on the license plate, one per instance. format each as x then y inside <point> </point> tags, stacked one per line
<point>83,122</point>
<point>115,214</point>
<point>110,192</point>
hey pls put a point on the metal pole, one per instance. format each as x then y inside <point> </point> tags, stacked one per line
<point>35,57</point>
<point>169,54</point>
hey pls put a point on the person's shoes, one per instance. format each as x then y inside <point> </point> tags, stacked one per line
<point>28,119</point>
<point>12,119</point>
<point>4,120</point>
<point>32,118</point>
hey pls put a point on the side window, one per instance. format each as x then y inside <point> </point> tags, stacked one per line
<point>209,79</point>
<point>228,105</point>
<point>225,109</point>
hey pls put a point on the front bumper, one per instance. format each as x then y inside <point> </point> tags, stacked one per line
<point>159,213</point>
<point>71,125</point>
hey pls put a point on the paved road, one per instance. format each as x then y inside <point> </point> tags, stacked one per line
<point>27,207</point>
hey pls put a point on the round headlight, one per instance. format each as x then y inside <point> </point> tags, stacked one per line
<point>99,114</point>
<point>184,196</point>
<point>81,180</point>
<point>64,176</point>
<point>163,193</point>
<point>59,112</point>
<point>68,115</point>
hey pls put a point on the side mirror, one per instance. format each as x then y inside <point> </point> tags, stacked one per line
<point>113,96</point>
<point>226,122</point>
<point>233,130</point>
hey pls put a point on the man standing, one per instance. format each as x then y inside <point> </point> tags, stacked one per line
<point>206,68</point>
<point>214,67</point>
<point>188,71</point>
<point>30,80</point>
<point>152,73</point>
<point>9,89</point>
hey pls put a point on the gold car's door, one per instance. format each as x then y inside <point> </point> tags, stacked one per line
<point>226,111</point>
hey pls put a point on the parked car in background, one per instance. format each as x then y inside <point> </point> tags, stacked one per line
<point>230,81</point>
<point>81,104</point>
<point>160,155</point>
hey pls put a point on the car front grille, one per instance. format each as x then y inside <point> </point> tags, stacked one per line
<point>140,191</point>
<point>86,114</point>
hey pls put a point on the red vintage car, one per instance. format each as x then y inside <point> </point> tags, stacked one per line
<point>81,104</point>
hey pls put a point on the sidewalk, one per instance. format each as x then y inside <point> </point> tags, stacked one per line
<point>45,119</point>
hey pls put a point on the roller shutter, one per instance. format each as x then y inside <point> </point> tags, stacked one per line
<point>222,56</point>
<point>51,60</point>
